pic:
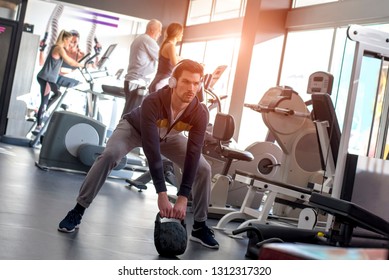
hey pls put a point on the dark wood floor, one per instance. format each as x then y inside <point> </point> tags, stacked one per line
<point>119,225</point>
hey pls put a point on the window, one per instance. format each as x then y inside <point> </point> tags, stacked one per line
<point>227,9</point>
<point>264,67</point>
<point>214,53</point>
<point>204,11</point>
<point>306,52</point>
<point>199,12</point>
<point>303,3</point>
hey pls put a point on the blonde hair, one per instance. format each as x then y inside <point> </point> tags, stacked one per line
<point>62,36</point>
<point>172,31</point>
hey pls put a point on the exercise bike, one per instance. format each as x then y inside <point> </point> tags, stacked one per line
<point>217,150</point>
<point>67,83</point>
<point>73,141</point>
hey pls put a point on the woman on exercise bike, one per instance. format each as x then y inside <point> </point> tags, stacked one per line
<point>50,71</point>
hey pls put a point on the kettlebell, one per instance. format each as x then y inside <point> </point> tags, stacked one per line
<point>170,236</point>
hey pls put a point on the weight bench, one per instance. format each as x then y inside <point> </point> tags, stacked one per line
<point>348,216</point>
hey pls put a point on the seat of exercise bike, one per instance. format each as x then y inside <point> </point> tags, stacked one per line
<point>113,90</point>
<point>232,153</point>
<point>222,131</point>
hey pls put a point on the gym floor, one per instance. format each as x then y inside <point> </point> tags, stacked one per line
<point>119,224</point>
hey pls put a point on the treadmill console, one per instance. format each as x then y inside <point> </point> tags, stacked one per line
<point>320,82</point>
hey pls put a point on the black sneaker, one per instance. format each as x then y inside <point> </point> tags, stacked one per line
<point>36,131</point>
<point>205,236</point>
<point>70,222</point>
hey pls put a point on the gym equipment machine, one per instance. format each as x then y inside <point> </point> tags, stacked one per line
<point>286,173</point>
<point>66,84</point>
<point>65,134</point>
<point>73,141</point>
<point>222,132</point>
<point>347,216</point>
<point>295,161</point>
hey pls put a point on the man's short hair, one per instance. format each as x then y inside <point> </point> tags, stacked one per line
<point>189,65</point>
<point>153,25</point>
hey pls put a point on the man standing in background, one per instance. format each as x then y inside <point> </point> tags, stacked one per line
<point>142,64</point>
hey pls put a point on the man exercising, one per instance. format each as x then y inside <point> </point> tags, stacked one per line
<point>158,126</point>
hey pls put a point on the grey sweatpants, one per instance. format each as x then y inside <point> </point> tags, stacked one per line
<point>123,140</point>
